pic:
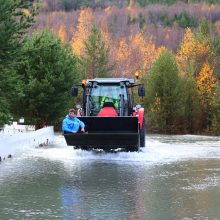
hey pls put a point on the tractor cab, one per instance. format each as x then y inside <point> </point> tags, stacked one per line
<point>108,92</point>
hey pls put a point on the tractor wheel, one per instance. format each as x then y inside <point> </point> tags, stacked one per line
<point>142,135</point>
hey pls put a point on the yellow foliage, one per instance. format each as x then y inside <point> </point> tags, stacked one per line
<point>146,51</point>
<point>150,54</point>
<point>206,80</point>
<point>62,34</point>
<point>84,27</point>
<point>187,51</point>
<point>192,53</point>
<point>122,57</point>
<point>108,10</point>
<point>106,37</point>
<point>123,52</point>
<point>26,12</point>
<point>139,42</point>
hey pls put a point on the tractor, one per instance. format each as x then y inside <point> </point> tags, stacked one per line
<point>108,111</point>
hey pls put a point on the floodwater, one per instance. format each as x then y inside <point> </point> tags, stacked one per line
<point>174,177</point>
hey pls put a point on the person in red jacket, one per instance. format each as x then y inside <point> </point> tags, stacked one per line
<point>108,110</point>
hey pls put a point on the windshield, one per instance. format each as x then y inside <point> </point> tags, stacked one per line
<point>106,93</point>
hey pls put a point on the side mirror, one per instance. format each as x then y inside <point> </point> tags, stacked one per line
<point>74,91</point>
<point>141,90</point>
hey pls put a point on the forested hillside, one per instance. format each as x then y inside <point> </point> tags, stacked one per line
<point>174,45</point>
<point>127,28</point>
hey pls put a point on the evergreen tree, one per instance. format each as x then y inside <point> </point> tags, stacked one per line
<point>16,16</point>
<point>215,120</point>
<point>163,93</point>
<point>190,104</point>
<point>48,72</point>
<point>94,62</point>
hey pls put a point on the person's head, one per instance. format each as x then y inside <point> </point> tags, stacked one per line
<point>72,112</point>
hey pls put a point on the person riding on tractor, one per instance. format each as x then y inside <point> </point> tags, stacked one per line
<point>110,96</point>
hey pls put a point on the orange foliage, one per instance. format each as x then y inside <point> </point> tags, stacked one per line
<point>146,51</point>
<point>84,26</point>
<point>62,34</point>
<point>122,57</point>
<point>105,32</point>
<point>206,80</point>
<point>123,52</point>
<point>108,10</point>
<point>26,12</point>
<point>187,51</point>
<point>192,53</point>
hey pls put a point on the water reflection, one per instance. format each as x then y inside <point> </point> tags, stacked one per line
<point>101,191</point>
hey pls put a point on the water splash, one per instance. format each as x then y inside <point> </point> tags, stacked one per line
<point>159,149</point>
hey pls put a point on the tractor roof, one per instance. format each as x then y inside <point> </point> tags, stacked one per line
<point>111,80</point>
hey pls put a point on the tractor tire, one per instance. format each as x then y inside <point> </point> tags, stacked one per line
<point>142,135</point>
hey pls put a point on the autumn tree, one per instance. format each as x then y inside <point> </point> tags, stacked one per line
<point>84,26</point>
<point>207,82</point>
<point>62,34</point>
<point>15,19</point>
<point>95,61</point>
<point>144,52</point>
<point>194,51</point>
<point>48,71</point>
<point>122,58</point>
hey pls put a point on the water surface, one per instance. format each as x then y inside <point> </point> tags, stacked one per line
<point>174,177</point>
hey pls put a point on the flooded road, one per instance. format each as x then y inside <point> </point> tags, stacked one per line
<point>174,177</point>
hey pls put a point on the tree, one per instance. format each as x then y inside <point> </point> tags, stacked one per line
<point>48,72</point>
<point>62,34</point>
<point>190,104</point>
<point>194,51</point>
<point>215,117</point>
<point>95,61</point>
<point>207,82</point>
<point>122,57</point>
<point>84,25</point>
<point>16,16</point>
<point>163,93</point>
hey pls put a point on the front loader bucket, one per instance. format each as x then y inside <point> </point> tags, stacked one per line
<point>107,133</point>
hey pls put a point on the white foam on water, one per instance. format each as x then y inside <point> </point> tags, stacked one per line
<point>21,142</point>
<point>159,149</point>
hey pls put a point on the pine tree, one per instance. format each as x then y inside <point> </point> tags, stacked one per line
<point>190,104</point>
<point>163,93</point>
<point>95,61</point>
<point>215,117</point>
<point>16,16</point>
<point>48,72</point>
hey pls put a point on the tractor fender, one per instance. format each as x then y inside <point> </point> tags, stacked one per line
<point>140,116</point>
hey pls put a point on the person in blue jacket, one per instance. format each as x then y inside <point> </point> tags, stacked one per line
<point>71,124</point>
